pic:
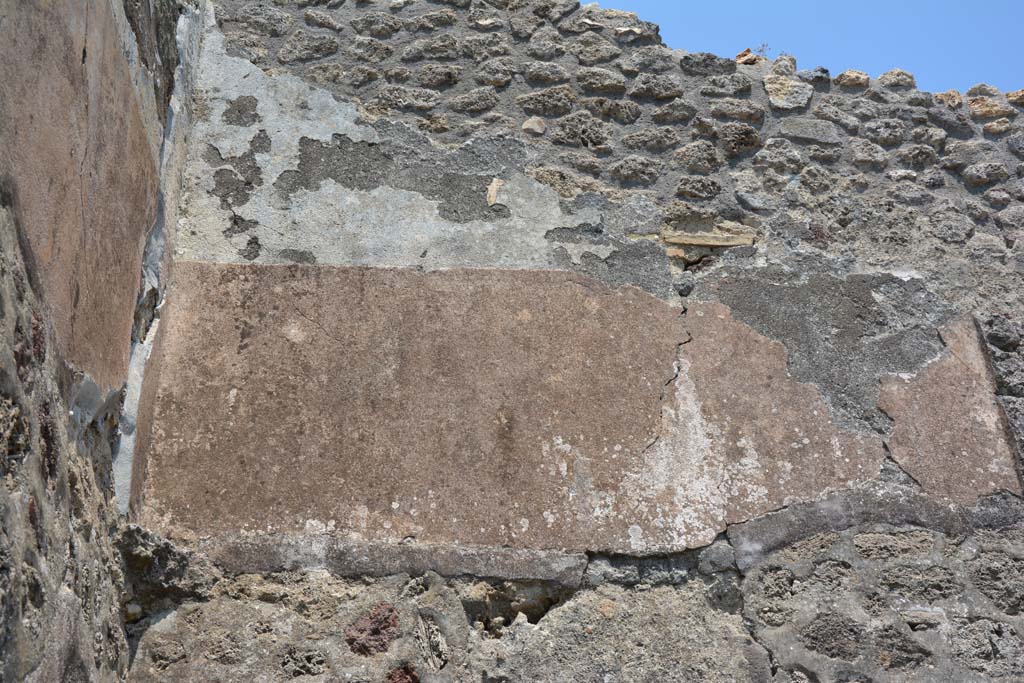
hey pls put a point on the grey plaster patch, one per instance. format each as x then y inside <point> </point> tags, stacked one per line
<point>842,333</point>
<point>242,111</point>
<point>462,197</point>
<point>125,454</point>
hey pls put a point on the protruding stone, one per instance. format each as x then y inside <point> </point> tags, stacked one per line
<point>830,112</point>
<point>698,187</point>
<point>655,86</point>
<point>497,72</point>
<point>954,122</point>
<point>897,79</point>
<point>982,90</point>
<point>556,101</point>
<point>885,132</point>
<point>780,155</point>
<point>737,110</point>
<point>431,21</point>
<point>623,111</point>
<point>706,64</point>
<point>596,80</point>
<point>654,59</point>
<point>738,138</point>
<point>546,73</point>
<point>786,93</point>
<point>320,19</point>
<point>654,140</point>
<point>377,24</point>
<point>917,156</point>
<point>302,46</point>
<point>439,75</point>
<point>581,129</point>
<point>866,153</point>
<point>535,125</point>
<point>636,170</point>
<point>1016,97</point>
<point>1016,144</point>
<point>951,98</point>
<point>406,99</point>
<point>811,130</point>
<point>699,157</point>
<point>819,77</point>
<point>985,173</point>
<point>677,111</point>
<point>729,85</point>
<point>442,47</point>
<point>475,101</point>
<point>998,127</point>
<point>592,49</point>
<point>852,79</point>
<point>264,19</point>
<point>483,47</point>
<point>984,107</point>
<point>748,57</point>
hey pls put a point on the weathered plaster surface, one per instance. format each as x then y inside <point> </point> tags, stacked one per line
<point>551,392</point>
<point>339,224</point>
<point>471,384</point>
<point>951,434</point>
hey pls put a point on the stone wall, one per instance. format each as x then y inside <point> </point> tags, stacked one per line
<point>500,343</point>
<point>79,198</point>
<point>641,143</point>
<point>547,352</point>
<point>60,578</point>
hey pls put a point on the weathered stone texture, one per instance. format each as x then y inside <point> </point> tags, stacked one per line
<point>60,592</point>
<point>885,589</point>
<point>312,625</point>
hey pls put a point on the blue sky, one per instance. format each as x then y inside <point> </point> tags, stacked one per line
<point>944,43</point>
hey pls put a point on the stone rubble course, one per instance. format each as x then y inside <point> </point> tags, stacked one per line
<point>60,579</point>
<point>493,341</point>
<point>595,108</point>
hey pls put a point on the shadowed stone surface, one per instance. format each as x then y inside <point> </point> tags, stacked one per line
<point>60,584</point>
<point>951,434</point>
<point>77,162</point>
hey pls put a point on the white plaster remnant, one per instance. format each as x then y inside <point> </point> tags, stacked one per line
<point>334,224</point>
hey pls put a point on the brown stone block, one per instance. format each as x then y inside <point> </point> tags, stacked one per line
<point>950,433</point>
<point>527,409</point>
<point>76,159</point>
<point>480,407</point>
<point>767,440</point>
